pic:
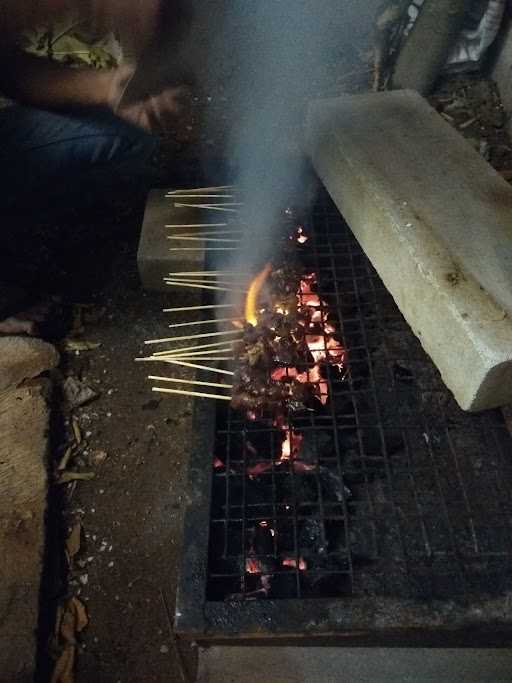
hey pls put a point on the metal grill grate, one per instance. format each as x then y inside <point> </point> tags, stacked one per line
<point>406,494</point>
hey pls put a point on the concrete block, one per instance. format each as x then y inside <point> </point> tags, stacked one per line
<point>154,259</point>
<point>502,68</point>
<point>436,221</point>
<point>23,358</point>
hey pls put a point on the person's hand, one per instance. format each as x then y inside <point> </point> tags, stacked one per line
<point>158,112</point>
<point>154,113</point>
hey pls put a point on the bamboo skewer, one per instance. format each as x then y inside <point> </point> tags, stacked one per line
<point>203,359</point>
<point>197,394</point>
<point>184,283</point>
<point>202,239</point>
<point>201,196</point>
<point>206,281</point>
<point>182,309</point>
<point>193,336</point>
<point>202,189</point>
<point>207,233</point>
<point>211,321</point>
<point>198,225</point>
<point>189,354</point>
<point>217,385</point>
<point>213,207</point>
<point>207,272</point>
<point>212,345</point>
<point>185,364</point>
<point>204,249</point>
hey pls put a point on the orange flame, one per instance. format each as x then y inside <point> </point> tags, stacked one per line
<point>251,302</point>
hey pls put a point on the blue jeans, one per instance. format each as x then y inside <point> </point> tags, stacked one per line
<point>51,158</point>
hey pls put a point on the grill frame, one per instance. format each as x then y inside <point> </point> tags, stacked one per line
<point>356,618</point>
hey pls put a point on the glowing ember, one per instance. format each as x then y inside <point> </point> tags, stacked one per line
<point>252,566</point>
<point>291,444</point>
<point>251,302</point>
<point>291,562</point>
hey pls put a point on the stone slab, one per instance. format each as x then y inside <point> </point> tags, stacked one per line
<point>154,259</point>
<point>436,221</point>
<point>502,67</point>
<point>24,422</point>
<point>23,358</point>
<point>354,665</point>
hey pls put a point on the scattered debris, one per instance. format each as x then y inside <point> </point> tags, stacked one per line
<point>76,430</point>
<point>97,458</point>
<point>77,345</point>
<point>68,476</point>
<point>63,463</point>
<point>77,393</point>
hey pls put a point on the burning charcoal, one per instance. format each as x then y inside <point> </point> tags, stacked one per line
<point>334,486</point>
<point>312,538</point>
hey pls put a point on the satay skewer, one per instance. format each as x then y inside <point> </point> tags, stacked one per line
<point>196,394</point>
<point>185,364</point>
<point>211,321</point>
<point>194,382</point>
<point>195,285</point>
<point>193,336</point>
<point>224,342</point>
<point>197,225</point>
<point>203,239</point>
<point>200,189</point>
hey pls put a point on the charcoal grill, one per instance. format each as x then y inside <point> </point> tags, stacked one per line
<point>402,530</point>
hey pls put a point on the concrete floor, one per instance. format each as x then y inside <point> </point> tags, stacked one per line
<point>353,665</point>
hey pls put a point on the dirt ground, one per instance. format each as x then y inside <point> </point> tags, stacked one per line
<point>131,511</point>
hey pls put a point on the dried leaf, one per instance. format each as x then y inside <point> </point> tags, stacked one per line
<point>73,620</point>
<point>64,669</point>
<point>66,477</point>
<point>80,345</point>
<point>81,615</point>
<point>73,541</point>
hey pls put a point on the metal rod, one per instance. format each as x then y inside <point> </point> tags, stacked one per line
<point>197,394</point>
<point>195,382</point>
